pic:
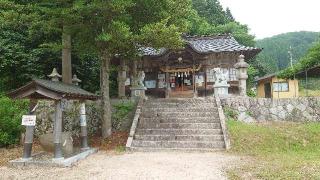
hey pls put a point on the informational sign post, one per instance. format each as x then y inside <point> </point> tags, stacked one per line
<point>29,120</point>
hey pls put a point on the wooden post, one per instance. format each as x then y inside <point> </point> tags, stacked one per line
<point>57,131</point>
<point>83,124</point>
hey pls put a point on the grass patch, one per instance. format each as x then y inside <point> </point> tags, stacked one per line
<point>120,114</point>
<point>313,93</point>
<point>120,149</point>
<point>280,150</point>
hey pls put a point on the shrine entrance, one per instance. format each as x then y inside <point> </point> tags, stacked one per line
<point>181,73</point>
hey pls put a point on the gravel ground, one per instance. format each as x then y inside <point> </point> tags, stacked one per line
<point>138,165</point>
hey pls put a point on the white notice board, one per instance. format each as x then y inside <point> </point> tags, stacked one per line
<point>29,120</point>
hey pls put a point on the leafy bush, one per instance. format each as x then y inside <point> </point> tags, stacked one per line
<point>121,112</point>
<point>11,112</point>
<point>251,93</point>
<point>230,113</point>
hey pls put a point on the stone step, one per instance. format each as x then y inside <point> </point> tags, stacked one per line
<point>152,149</point>
<point>180,114</point>
<point>179,144</point>
<point>181,100</point>
<point>178,105</point>
<point>150,125</point>
<point>213,119</point>
<point>178,131</point>
<point>170,110</point>
<point>179,137</point>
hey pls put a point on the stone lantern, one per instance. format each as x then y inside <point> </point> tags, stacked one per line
<point>242,75</point>
<point>75,80</point>
<point>55,76</point>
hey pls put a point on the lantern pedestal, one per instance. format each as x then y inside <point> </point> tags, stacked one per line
<point>138,92</point>
<point>221,91</point>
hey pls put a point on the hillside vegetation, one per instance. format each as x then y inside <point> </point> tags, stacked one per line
<point>275,56</point>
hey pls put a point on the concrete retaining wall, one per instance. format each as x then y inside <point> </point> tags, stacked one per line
<point>262,109</point>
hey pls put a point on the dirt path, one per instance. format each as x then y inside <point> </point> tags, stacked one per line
<point>156,165</point>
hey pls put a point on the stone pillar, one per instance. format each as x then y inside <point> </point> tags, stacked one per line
<point>57,131</point>
<point>83,124</point>
<point>134,73</point>
<point>28,139</point>
<point>242,75</point>
<point>27,148</point>
<point>122,77</point>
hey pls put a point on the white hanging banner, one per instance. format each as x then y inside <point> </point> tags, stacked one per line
<point>29,120</point>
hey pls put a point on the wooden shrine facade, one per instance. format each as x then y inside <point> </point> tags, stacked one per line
<point>189,71</point>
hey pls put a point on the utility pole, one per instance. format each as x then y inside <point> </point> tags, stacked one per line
<point>290,56</point>
<point>294,74</point>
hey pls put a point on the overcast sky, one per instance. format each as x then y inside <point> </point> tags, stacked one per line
<point>266,18</point>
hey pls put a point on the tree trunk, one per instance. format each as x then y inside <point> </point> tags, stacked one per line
<point>66,57</point>
<point>105,101</point>
<point>122,77</point>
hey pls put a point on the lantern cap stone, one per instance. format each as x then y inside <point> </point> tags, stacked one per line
<point>54,75</point>
<point>75,80</point>
<point>241,63</point>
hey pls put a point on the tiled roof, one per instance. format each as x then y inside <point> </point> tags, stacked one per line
<point>63,87</point>
<point>216,44</point>
<point>149,51</point>
<point>58,89</point>
<point>206,44</point>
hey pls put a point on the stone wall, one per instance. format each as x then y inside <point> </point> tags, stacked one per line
<point>261,109</point>
<point>71,122</point>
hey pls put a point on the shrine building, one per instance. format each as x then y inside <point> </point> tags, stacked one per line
<point>189,72</point>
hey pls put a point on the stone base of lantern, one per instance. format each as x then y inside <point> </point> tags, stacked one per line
<point>138,92</point>
<point>221,91</point>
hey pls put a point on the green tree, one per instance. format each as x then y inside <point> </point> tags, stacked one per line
<point>229,15</point>
<point>211,11</point>
<point>111,28</point>
<point>275,54</point>
<point>310,60</point>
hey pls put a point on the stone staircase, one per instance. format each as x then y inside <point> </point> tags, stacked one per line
<point>179,124</point>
